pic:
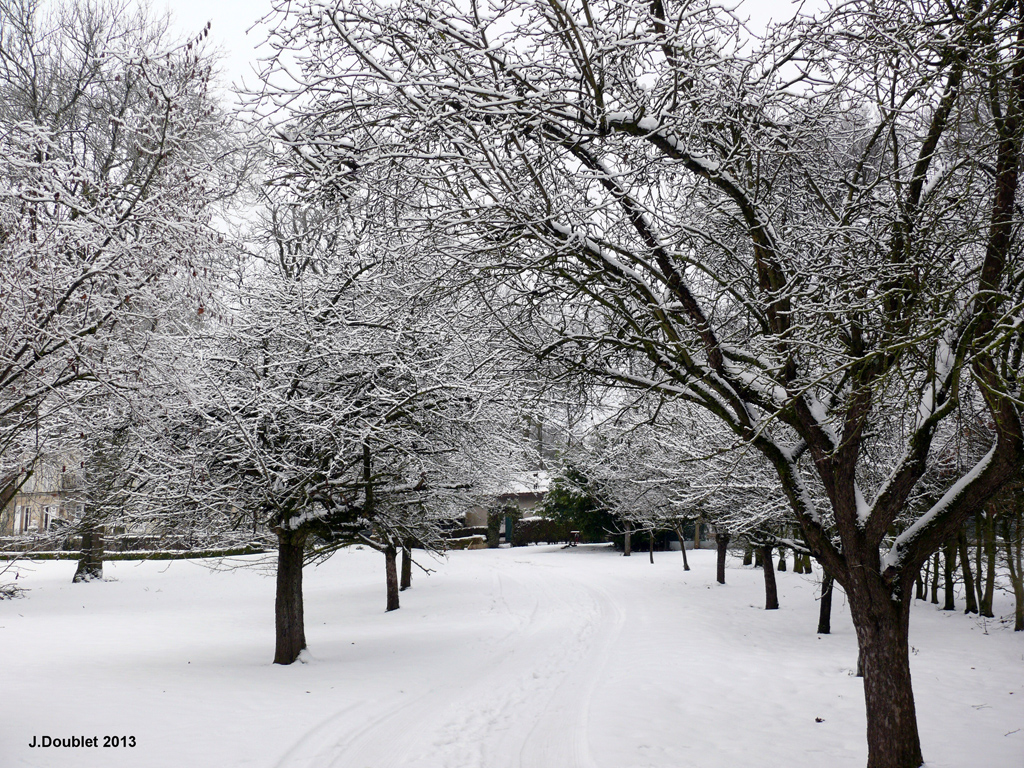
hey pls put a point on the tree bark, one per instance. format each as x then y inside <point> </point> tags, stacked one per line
<point>652,546</point>
<point>771,592</point>
<point>722,541</point>
<point>825,608</point>
<point>627,544</point>
<point>696,534</point>
<point>90,564</point>
<point>949,556</point>
<point>391,569</point>
<point>882,634</point>
<point>782,560</point>
<point>406,581</point>
<point>748,554</point>
<point>965,568</point>
<point>682,546</point>
<point>935,579</point>
<point>291,631</point>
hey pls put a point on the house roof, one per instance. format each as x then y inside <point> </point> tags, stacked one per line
<point>527,482</point>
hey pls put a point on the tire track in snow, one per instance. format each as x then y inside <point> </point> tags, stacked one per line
<point>567,712</point>
<point>524,703</point>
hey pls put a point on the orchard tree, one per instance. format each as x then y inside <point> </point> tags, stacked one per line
<point>661,464</point>
<point>112,157</point>
<point>334,403</point>
<point>808,235</point>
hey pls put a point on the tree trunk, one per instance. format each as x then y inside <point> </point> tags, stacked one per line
<point>990,565</point>
<point>291,632</point>
<point>682,546</point>
<point>758,558</point>
<point>391,569</point>
<point>825,609</point>
<point>652,546</point>
<point>748,553</point>
<point>949,555</point>
<point>696,534</point>
<point>921,591</point>
<point>935,579</point>
<point>627,544</point>
<point>722,541</point>
<point>90,564</point>
<point>882,634</point>
<point>965,568</point>
<point>771,592</point>
<point>406,566</point>
<point>782,560</point>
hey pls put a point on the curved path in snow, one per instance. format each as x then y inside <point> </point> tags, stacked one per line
<point>519,699</point>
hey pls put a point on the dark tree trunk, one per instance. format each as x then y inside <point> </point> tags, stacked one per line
<point>935,579</point>
<point>882,634</point>
<point>825,608</point>
<point>627,543</point>
<point>682,546</point>
<point>758,559</point>
<point>782,560</point>
<point>965,568</point>
<point>291,631</point>
<point>90,564</point>
<point>990,565</point>
<point>771,592</point>
<point>748,553</point>
<point>921,590</point>
<point>722,541</point>
<point>652,547</point>
<point>949,555</point>
<point>696,535</point>
<point>406,582</point>
<point>391,569</point>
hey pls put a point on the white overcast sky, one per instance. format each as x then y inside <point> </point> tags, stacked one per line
<point>231,18</point>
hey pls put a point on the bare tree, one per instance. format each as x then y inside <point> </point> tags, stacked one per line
<point>336,404</point>
<point>112,158</point>
<point>808,235</point>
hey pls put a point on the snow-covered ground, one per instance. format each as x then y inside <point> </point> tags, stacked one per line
<point>535,657</point>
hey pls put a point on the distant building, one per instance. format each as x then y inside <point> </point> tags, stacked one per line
<point>46,497</point>
<point>525,491</point>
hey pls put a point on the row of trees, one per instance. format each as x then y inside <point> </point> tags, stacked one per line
<point>797,251</point>
<point>810,236</point>
<point>301,378</point>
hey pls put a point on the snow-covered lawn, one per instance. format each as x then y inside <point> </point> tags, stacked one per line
<point>535,657</point>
